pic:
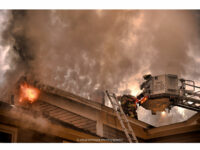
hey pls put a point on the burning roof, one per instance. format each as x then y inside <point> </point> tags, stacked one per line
<point>65,110</point>
<point>28,93</point>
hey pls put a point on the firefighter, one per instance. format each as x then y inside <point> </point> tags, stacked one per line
<point>124,104</point>
<point>129,105</point>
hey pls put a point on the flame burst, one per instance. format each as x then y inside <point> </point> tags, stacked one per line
<point>28,93</point>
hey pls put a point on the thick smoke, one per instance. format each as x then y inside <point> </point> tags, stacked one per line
<point>91,50</point>
<point>4,48</point>
<point>78,51</point>
<point>7,55</point>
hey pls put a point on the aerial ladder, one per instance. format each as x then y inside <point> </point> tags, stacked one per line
<point>166,91</point>
<point>189,99</point>
<point>124,122</point>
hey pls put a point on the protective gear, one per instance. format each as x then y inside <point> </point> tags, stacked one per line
<point>129,105</point>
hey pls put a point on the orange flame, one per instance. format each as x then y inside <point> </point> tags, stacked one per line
<point>28,93</point>
<point>144,99</point>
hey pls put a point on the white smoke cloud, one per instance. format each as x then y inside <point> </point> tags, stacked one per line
<point>4,48</point>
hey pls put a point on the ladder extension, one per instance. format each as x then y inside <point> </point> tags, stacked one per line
<point>122,118</point>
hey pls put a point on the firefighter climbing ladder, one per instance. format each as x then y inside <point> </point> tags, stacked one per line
<point>122,118</point>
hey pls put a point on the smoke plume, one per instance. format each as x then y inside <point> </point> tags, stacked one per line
<point>83,51</point>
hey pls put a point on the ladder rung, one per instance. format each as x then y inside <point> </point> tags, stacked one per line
<point>130,131</point>
<point>116,105</point>
<point>111,96</point>
<point>124,120</point>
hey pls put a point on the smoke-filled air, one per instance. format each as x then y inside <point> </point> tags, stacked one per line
<point>88,51</point>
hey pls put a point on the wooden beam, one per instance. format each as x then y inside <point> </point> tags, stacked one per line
<point>174,132</point>
<point>177,126</point>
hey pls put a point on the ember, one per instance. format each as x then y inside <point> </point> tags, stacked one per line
<point>28,93</point>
